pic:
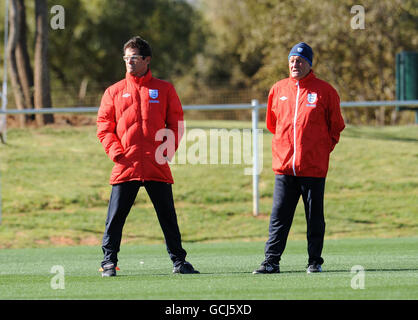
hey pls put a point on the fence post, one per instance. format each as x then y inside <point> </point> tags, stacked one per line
<point>255,106</point>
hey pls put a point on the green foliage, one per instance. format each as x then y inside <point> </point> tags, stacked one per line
<point>358,62</point>
<point>250,40</point>
<point>227,51</point>
<point>90,45</point>
<point>94,36</point>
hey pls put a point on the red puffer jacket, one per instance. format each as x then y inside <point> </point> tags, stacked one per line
<point>131,113</point>
<point>306,121</point>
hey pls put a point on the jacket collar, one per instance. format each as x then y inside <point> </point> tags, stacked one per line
<point>310,76</point>
<point>139,80</point>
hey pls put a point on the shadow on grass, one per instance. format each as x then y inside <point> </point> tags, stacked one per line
<point>349,271</point>
<point>260,275</point>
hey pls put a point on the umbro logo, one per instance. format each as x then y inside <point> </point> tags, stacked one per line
<point>125,95</point>
<point>283,98</point>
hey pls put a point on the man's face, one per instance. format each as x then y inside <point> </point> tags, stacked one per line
<point>136,64</point>
<point>298,67</point>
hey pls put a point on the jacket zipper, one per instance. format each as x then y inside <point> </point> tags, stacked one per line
<point>140,134</point>
<point>294,130</point>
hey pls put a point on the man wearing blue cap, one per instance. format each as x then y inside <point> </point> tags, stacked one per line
<point>303,113</point>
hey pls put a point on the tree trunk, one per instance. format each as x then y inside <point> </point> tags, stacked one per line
<point>42,85</point>
<point>14,32</point>
<point>22,60</point>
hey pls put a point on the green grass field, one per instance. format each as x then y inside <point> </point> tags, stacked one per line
<point>390,272</point>
<point>54,186</point>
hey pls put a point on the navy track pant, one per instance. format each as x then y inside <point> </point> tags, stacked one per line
<point>121,200</point>
<point>287,191</point>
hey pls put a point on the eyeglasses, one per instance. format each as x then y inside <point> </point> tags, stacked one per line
<point>135,58</point>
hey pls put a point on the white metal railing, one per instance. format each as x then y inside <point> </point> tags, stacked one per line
<point>373,104</point>
<point>255,106</point>
<point>396,103</point>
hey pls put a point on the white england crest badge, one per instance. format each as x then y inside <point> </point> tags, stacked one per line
<point>312,97</point>
<point>153,93</point>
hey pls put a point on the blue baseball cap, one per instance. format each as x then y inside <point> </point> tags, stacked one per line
<point>302,50</point>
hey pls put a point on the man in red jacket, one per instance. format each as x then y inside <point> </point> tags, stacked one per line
<point>131,113</point>
<point>303,113</point>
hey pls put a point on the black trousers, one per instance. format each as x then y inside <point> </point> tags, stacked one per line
<point>287,191</point>
<point>121,200</point>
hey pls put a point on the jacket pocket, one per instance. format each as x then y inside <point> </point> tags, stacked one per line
<point>126,158</point>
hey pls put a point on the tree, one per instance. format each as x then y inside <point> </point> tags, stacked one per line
<point>41,74</point>
<point>21,75</point>
<point>14,34</point>
<point>22,59</point>
<point>359,63</point>
<point>95,32</point>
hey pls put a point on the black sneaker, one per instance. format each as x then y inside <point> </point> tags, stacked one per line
<point>267,268</point>
<point>314,268</point>
<point>185,268</point>
<point>109,270</point>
